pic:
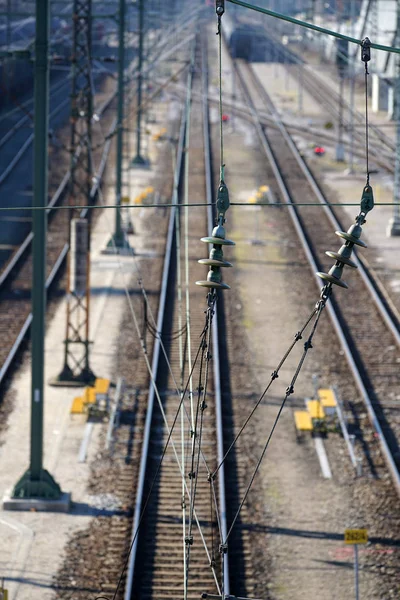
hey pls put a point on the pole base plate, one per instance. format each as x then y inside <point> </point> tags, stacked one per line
<point>68,379</point>
<point>43,487</point>
<point>63,504</point>
<point>140,162</point>
<point>118,245</point>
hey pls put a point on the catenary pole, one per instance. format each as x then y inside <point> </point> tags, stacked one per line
<point>36,482</point>
<point>393,228</point>
<point>119,239</point>
<point>352,68</point>
<point>139,160</point>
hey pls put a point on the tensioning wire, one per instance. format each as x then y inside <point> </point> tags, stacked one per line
<point>169,442</point>
<point>221,132</point>
<point>190,205</point>
<point>272,13</point>
<point>307,346</point>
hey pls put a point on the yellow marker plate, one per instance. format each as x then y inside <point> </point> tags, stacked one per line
<point>355,536</point>
<point>327,397</point>
<point>125,200</point>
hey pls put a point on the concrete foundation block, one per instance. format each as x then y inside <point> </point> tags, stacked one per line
<point>63,504</point>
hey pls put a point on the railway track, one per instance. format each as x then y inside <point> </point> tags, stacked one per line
<point>382,146</point>
<point>166,542</point>
<point>367,331</point>
<point>156,567</point>
<point>16,278</point>
<point>19,130</point>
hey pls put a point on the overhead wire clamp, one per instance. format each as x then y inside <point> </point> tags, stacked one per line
<point>366,50</point>
<point>220,7</point>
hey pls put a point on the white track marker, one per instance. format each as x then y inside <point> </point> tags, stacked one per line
<point>323,459</point>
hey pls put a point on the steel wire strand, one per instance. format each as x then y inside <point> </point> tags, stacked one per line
<point>144,350</point>
<point>289,391</point>
<point>157,393</point>
<point>274,375</point>
<point>169,441</point>
<point>336,34</point>
<point>192,475</point>
<point>188,337</point>
<point>191,205</point>
<point>221,123</point>
<point>202,392</point>
<point>182,355</point>
<point>186,240</point>
<point>179,392</point>
<point>165,354</point>
<point>182,352</point>
<point>170,337</point>
<point>187,261</point>
<point>193,423</point>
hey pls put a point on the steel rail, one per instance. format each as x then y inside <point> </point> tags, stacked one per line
<point>26,144</point>
<point>267,120</point>
<point>154,369</point>
<point>214,331</point>
<point>57,197</point>
<point>321,89</point>
<point>332,313</point>
<point>62,256</point>
<point>393,327</point>
<point>17,126</point>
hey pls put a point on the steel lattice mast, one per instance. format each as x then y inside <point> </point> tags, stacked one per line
<point>76,369</point>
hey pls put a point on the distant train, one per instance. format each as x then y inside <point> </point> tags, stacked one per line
<point>245,38</point>
<point>16,74</point>
<point>253,41</point>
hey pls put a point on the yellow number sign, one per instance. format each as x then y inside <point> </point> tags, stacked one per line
<point>355,536</point>
<point>3,594</point>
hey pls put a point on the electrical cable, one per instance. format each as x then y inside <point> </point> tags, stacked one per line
<point>366,57</point>
<point>282,17</point>
<point>192,430</point>
<point>274,375</point>
<point>221,123</point>
<point>307,346</point>
<point>192,204</point>
<point>169,438</point>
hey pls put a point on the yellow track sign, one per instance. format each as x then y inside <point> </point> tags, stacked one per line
<point>125,200</point>
<point>3,594</point>
<point>355,536</point>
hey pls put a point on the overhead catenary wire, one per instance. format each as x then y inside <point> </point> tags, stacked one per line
<point>290,389</point>
<point>365,57</point>
<point>307,25</point>
<point>274,375</point>
<point>167,443</point>
<point>170,430</point>
<point>183,205</point>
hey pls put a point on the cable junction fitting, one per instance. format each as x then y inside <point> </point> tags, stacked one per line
<point>217,239</point>
<point>220,7</point>
<point>366,50</point>
<point>352,238</point>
